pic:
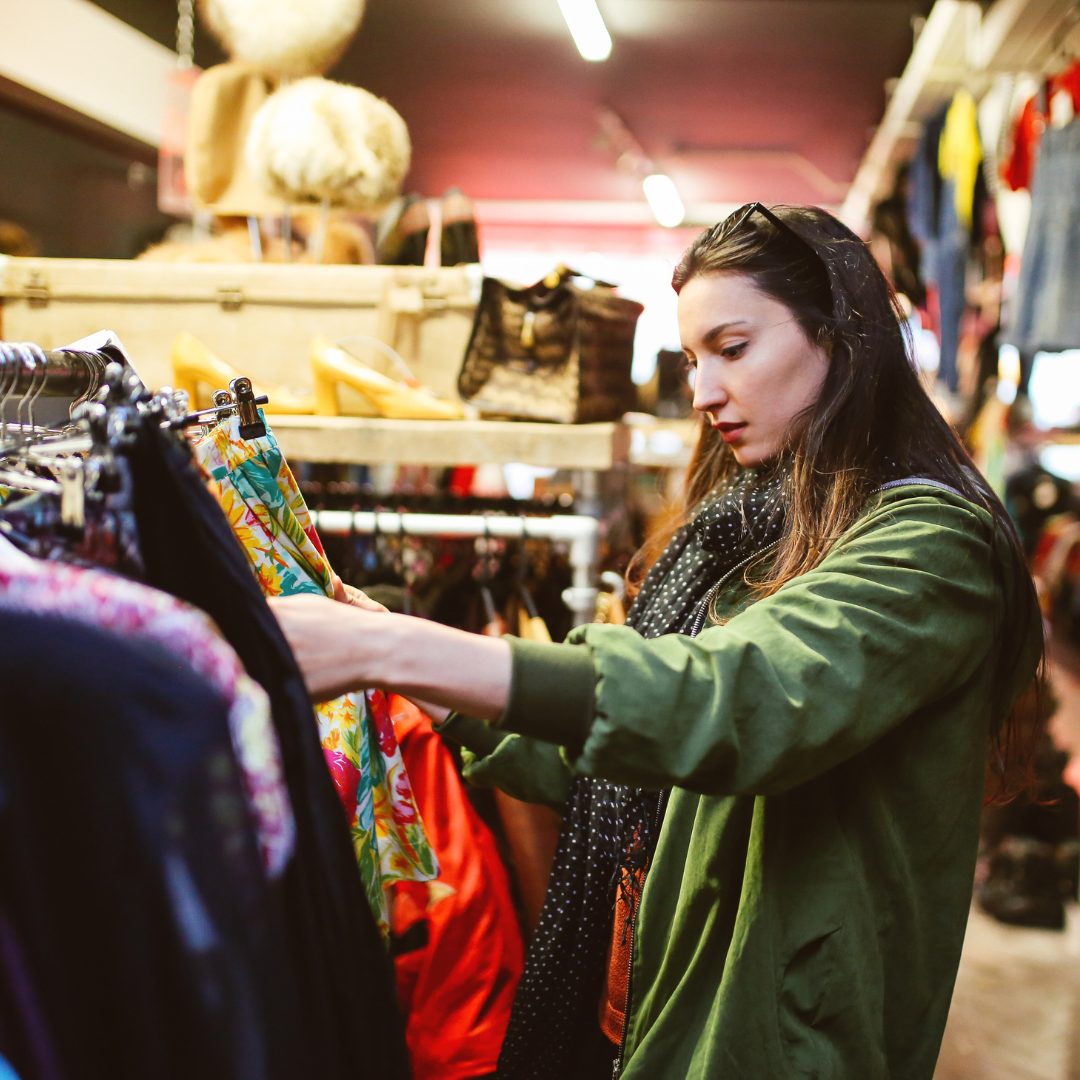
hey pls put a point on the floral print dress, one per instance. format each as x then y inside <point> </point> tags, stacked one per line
<point>262,501</point>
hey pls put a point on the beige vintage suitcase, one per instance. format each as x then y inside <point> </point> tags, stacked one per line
<point>260,318</point>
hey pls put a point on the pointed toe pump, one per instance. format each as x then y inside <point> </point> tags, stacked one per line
<point>393,400</point>
<point>195,366</point>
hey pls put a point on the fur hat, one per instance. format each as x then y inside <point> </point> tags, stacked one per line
<point>317,140</point>
<point>287,37</point>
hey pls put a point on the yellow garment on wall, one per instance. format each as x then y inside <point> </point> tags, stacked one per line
<point>960,153</point>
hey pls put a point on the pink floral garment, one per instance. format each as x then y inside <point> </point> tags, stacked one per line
<point>131,610</point>
<point>260,497</point>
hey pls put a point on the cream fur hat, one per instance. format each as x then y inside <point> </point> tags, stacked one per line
<point>317,140</point>
<point>286,37</point>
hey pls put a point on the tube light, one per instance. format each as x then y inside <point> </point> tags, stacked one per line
<point>664,201</point>
<point>587,28</point>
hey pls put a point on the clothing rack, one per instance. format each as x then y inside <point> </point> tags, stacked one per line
<point>27,369</point>
<point>580,531</point>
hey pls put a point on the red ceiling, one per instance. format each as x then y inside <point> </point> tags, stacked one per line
<point>736,99</point>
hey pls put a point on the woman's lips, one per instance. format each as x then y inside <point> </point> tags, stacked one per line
<point>730,432</point>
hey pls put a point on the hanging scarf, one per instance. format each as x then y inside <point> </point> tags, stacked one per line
<point>609,832</point>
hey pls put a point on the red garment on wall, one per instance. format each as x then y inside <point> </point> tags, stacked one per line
<point>455,991</point>
<point>1018,169</point>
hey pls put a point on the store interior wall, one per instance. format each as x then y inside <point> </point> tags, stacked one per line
<point>78,200</point>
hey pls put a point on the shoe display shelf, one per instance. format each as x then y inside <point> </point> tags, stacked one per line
<point>366,440</point>
<point>360,440</point>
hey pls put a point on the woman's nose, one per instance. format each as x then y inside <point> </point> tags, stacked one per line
<point>709,392</point>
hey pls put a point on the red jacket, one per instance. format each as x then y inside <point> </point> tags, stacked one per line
<point>456,990</point>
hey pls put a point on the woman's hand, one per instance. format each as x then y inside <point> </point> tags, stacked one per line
<point>345,646</point>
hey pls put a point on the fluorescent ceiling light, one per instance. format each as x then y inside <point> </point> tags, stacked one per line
<point>664,200</point>
<point>587,28</point>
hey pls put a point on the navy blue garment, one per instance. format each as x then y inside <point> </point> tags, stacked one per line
<point>924,183</point>
<point>139,939</point>
<point>944,240</point>
<point>348,1013</point>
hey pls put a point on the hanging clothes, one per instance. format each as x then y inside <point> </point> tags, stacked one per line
<point>260,497</point>
<point>132,610</point>
<point>1054,104</point>
<point>996,114</point>
<point>960,154</point>
<point>457,986</point>
<point>347,1017</point>
<point>934,218</point>
<point>140,938</point>
<point>1046,312</point>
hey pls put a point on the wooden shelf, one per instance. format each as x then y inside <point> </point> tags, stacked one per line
<point>360,440</point>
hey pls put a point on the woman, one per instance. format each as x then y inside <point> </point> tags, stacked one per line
<point>788,744</point>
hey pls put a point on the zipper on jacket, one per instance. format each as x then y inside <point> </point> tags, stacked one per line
<point>703,608</point>
<point>699,621</point>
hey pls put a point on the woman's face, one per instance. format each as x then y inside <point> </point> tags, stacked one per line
<point>756,368</point>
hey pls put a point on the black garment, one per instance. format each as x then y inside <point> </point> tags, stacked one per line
<point>138,937</point>
<point>348,1010</point>
<point>608,831</point>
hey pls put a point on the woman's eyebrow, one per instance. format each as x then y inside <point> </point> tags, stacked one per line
<point>716,331</point>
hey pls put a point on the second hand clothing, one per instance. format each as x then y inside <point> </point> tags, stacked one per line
<point>262,501</point>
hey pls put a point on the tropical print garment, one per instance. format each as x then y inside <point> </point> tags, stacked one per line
<point>132,610</point>
<point>258,493</point>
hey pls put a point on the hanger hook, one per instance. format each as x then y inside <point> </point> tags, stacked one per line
<point>10,363</point>
<point>29,362</point>
<point>39,359</point>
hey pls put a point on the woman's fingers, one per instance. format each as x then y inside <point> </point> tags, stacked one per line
<point>349,594</point>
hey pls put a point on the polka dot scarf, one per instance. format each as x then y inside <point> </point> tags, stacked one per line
<point>608,830</point>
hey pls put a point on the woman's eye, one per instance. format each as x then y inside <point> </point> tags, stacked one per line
<point>732,352</point>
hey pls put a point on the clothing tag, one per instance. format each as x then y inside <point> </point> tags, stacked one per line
<point>72,496</point>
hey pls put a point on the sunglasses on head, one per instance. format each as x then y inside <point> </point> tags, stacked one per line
<point>736,221</point>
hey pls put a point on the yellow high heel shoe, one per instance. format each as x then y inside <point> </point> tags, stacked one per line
<point>195,366</point>
<point>393,400</point>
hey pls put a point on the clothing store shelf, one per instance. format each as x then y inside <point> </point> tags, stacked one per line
<point>364,440</point>
<point>962,44</point>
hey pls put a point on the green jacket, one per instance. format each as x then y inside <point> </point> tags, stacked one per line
<point>807,901</point>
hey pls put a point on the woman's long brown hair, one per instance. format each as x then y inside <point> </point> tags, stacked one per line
<point>872,422</point>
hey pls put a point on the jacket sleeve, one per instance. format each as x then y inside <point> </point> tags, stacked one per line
<point>903,610</point>
<point>524,768</point>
